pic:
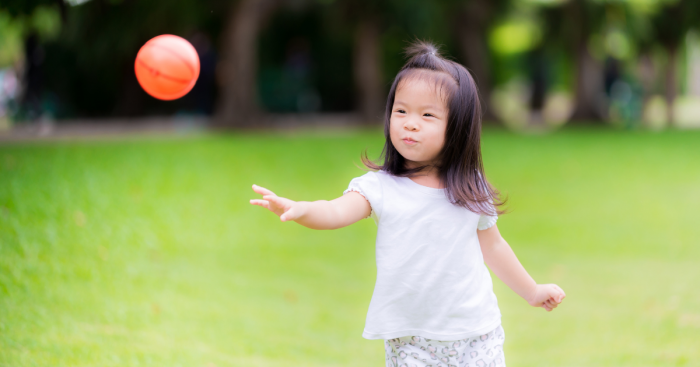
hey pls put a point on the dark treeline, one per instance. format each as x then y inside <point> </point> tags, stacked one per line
<point>314,56</point>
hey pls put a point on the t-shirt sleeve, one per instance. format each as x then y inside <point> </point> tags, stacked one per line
<point>369,186</point>
<point>486,221</point>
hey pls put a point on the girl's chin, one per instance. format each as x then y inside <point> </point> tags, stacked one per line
<point>412,158</point>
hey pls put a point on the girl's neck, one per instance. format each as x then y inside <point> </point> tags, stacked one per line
<point>428,177</point>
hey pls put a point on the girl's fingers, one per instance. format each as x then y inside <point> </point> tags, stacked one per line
<point>262,191</point>
<point>274,199</point>
<point>560,294</point>
<point>554,292</point>
<point>563,294</point>
<point>263,203</point>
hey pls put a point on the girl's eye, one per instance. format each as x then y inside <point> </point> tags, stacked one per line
<point>400,111</point>
<point>428,114</point>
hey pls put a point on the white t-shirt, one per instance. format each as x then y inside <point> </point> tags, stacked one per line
<point>431,276</point>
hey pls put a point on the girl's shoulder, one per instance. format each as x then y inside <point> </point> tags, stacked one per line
<point>376,175</point>
<point>371,178</point>
<point>370,185</point>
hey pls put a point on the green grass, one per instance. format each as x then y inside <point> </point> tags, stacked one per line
<point>145,252</point>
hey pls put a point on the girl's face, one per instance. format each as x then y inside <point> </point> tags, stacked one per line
<point>418,122</point>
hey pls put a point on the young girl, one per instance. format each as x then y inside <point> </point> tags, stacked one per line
<point>433,301</point>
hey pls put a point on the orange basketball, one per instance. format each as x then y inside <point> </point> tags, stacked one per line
<point>167,67</point>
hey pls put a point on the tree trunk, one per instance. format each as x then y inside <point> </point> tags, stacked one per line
<point>472,23</point>
<point>671,83</point>
<point>588,87</point>
<point>646,76</point>
<point>237,69</point>
<point>367,72</point>
<point>537,71</point>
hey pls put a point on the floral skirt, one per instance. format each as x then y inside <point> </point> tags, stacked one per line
<point>416,351</point>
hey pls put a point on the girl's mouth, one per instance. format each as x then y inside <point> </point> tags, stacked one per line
<point>409,142</point>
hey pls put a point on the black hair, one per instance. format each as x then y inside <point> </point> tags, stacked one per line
<point>460,167</point>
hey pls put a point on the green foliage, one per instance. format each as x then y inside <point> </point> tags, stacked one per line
<point>45,21</point>
<point>11,40</point>
<point>147,252</point>
<point>16,21</point>
<point>514,37</point>
<point>673,19</point>
<point>18,8</point>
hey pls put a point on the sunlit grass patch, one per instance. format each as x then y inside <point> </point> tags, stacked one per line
<point>146,252</point>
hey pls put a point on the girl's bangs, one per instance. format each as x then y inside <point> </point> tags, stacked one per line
<point>442,82</point>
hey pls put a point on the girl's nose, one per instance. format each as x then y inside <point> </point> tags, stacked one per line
<point>410,126</point>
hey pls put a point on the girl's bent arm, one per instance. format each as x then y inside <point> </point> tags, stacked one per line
<point>501,259</point>
<point>321,214</point>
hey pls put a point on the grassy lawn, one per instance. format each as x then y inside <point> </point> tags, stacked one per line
<point>145,252</point>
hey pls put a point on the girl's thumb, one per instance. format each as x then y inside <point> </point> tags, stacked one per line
<point>286,215</point>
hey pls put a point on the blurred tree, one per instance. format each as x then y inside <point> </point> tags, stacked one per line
<point>542,61</point>
<point>628,44</point>
<point>538,70</point>
<point>18,8</point>
<point>472,21</point>
<point>369,21</point>
<point>37,20</point>
<point>366,17</point>
<point>578,21</point>
<point>238,106</point>
<point>671,24</point>
<point>237,69</point>
<point>367,70</point>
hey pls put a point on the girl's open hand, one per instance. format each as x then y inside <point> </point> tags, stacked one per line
<point>547,296</point>
<point>286,209</point>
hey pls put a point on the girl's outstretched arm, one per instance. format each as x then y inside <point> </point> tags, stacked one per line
<point>502,261</point>
<point>321,214</point>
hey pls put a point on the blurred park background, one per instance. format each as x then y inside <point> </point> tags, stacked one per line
<point>538,63</point>
<point>142,249</point>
